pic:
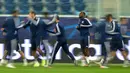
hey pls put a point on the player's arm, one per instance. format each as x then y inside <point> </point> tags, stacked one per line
<point>86,23</point>
<point>51,33</point>
<point>4,25</point>
<point>3,29</point>
<point>57,31</point>
<point>78,26</point>
<point>113,28</point>
<point>35,22</point>
<point>24,24</point>
<point>53,20</point>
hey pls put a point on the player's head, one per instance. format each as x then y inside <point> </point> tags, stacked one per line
<point>82,15</point>
<point>86,16</point>
<point>46,14</point>
<point>57,18</point>
<point>32,14</point>
<point>109,17</point>
<point>15,13</point>
<point>123,20</point>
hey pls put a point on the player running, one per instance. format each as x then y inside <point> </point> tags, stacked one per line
<point>113,30</point>
<point>59,31</point>
<point>38,30</point>
<point>11,39</point>
<point>83,27</point>
<point>102,39</point>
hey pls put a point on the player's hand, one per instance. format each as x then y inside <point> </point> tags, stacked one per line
<point>4,33</point>
<point>77,27</point>
<point>91,34</point>
<point>54,30</point>
<point>2,29</point>
<point>30,17</point>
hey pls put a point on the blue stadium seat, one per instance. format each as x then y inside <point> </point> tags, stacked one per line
<point>0,8</point>
<point>38,7</point>
<point>0,11</point>
<point>64,1</point>
<point>36,1</point>
<point>52,7</point>
<point>79,6</point>
<point>9,8</point>
<point>23,1</point>
<point>23,8</point>
<point>78,1</point>
<point>0,5</point>
<point>66,8</point>
<point>1,2</point>
<point>51,1</point>
<point>9,1</point>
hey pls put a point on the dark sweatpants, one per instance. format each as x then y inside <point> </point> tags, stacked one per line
<point>65,49</point>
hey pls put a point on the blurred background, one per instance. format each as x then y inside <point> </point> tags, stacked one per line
<point>95,8</point>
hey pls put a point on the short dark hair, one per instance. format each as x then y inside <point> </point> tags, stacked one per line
<point>57,17</point>
<point>109,15</point>
<point>33,12</point>
<point>82,14</point>
<point>45,13</point>
<point>15,11</point>
<point>122,18</point>
<point>86,16</point>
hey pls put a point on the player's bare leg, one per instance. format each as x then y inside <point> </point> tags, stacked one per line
<point>112,55</point>
<point>25,63</point>
<point>46,44</point>
<point>42,54</point>
<point>36,63</point>
<point>3,61</point>
<point>85,57</point>
<point>109,58</point>
<point>126,62</point>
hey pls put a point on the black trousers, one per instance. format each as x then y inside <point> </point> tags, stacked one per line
<point>65,49</point>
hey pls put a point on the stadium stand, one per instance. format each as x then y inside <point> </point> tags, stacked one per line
<point>79,6</point>
<point>24,9</point>
<point>9,8</point>
<point>50,1</point>
<point>35,1</point>
<point>64,1</point>
<point>9,1</point>
<point>66,8</point>
<point>38,7</point>
<point>52,6</point>
<point>23,1</point>
<point>0,9</point>
<point>78,1</point>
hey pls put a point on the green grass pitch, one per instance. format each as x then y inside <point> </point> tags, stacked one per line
<point>65,68</point>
